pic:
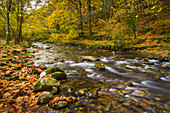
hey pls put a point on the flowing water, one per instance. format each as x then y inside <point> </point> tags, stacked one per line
<point>129,83</point>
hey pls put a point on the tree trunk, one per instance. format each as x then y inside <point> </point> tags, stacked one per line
<point>7,21</point>
<point>149,14</point>
<point>104,10</point>
<point>89,14</point>
<point>20,25</point>
<point>81,19</point>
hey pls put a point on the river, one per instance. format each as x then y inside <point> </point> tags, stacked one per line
<point>130,81</point>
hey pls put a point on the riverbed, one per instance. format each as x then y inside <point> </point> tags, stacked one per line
<point>128,81</point>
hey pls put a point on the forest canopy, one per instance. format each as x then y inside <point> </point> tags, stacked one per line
<point>122,23</point>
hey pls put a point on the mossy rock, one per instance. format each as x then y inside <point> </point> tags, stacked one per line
<point>16,51</point>
<point>53,69</point>
<point>45,98</point>
<point>54,90</point>
<point>29,63</point>
<point>4,59</point>
<point>48,47</point>
<point>60,104</point>
<point>45,84</point>
<point>24,50</point>
<point>4,56</point>
<point>59,75</point>
<point>3,64</point>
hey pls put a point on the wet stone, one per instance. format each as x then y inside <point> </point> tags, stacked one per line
<point>45,98</point>
<point>45,84</point>
<point>30,63</point>
<point>89,58</point>
<point>54,90</point>
<point>98,67</point>
<point>4,55</point>
<point>53,69</point>
<point>60,105</point>
<point>3,64</point>
<point>126,91</point>
<point>59,75</point>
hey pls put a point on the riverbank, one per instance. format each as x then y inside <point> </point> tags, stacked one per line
<point>109,45</point>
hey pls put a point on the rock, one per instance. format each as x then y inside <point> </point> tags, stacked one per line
<point>54,90</point>
<point>59,75</point>
<point>48,47</point>
<point>45,98</point>
<point>4,55</point>
<point>43,67</point>
<point>30,62</point>
<point>126,91</point>
<point>89,58</point>
<point>149,63</point>
<point>60,105</point>
<point>3,64</point>
<point>129,83</point>
<point>4,59</point>
<point>15,51</point>
<point>31,51</point>
<point>164,65</point>
<point>24,50</point>
<point>53,69</point>
<point>92,94</point>
<point>59,59</point>
<point>45,84</point>
<point>98,67</point>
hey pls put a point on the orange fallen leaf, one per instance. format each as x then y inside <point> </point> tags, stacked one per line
<point>143,104</point>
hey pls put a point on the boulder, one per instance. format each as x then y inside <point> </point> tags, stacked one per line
<point>53,69</point>
<point>45,97</point>
<point>59,75</point>
<point>45,84</point>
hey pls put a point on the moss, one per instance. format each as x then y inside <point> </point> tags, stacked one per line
<point>59,75</point>
<point>53,69</point>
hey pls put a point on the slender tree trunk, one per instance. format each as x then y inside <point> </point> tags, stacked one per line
<point>89,14</point>
<point>18,11</point>
<point>81,19</point>
<point>20,25</point>
<point>149,14</point>
<point>7,21</point>
<point>104,10</point>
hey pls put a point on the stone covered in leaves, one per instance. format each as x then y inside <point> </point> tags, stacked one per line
<point>53,69</point>
<point>59,75</point>
<point>45,98</point>
<point>45,84</point>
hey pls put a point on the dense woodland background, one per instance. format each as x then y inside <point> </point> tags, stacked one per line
<point>116,24</point>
